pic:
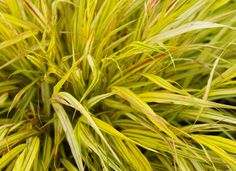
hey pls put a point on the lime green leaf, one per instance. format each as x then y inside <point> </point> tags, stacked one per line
<point>164,83</point>
<point>170,98</point>
<point>68,129</point>
<point>31,154</point>
<point>144,108</point>
<point>68,165</point>
<point>9,156</point>
<point>20,94</point>
<point>195,25</point>
<point>17,39</point>
<point>69,100</point>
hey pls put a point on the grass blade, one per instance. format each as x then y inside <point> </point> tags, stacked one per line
<point>68,129</point>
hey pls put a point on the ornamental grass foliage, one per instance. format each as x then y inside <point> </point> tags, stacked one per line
<point>119,85</point>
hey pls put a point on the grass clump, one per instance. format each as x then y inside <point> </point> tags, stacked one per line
<point>117,85</point>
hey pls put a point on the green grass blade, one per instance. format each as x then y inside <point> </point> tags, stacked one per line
<point>68,129</point>
<point>143,107</point>
<point>9,156</point>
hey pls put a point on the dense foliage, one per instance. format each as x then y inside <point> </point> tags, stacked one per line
<point>118,85</point>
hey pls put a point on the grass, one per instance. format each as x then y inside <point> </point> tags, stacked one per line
<point>117,85</point>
